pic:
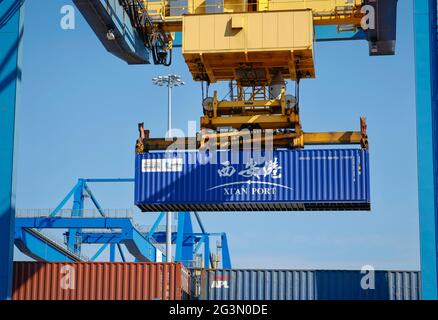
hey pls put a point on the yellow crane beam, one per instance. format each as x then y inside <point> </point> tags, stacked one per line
<point>269,35</point>
<point>245,139</point>
<point>259,120</point>
<point>325,12</point>
<point>290,141</point>
<point>252,42</point>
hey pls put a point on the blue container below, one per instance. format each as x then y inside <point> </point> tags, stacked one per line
<point>265,284</point>
<point>283,180</point>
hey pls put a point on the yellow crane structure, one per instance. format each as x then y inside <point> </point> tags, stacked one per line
<point>325,12</point>
<point>255,46</point>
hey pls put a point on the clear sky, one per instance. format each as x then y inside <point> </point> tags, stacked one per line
<point>81,105</point>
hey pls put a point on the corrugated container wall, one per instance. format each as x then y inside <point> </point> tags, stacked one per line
<point>101,281</point>
<point>309,285</point>
<point>284,180</point>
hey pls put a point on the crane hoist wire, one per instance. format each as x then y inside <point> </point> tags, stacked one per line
<point>155,40</point>
<point>205,86</point>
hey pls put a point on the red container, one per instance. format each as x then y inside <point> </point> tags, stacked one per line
<point>100,281</point>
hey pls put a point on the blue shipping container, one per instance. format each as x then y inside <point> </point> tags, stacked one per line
<point>247,284</point>
<point>283,180</point>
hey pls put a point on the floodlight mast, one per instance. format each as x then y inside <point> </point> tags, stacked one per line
<point>169,81</point>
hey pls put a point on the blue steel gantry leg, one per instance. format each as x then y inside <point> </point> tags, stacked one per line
<point>98,252</point>
<point>206,252</point>
<point>425,28</point>
<point>184,241</point>
<point>120,252</point>
<point>77,211</point>
<point>11,36</point>
<point>63,202</point>
<point>112,252</point>
<point>226,260</point>
<point>155,225</point>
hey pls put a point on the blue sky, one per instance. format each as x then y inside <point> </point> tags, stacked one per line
<point>81,105</point>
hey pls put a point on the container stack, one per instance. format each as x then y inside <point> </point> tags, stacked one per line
<point>101,281</point>
<point>172,281</point>
<point>248,284</point>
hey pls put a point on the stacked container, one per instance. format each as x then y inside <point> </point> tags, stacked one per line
<point>101,281</point>
<point>247,284</point>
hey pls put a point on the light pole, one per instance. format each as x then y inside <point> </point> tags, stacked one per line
<point>170,81</point>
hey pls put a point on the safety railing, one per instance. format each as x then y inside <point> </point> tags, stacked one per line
<point>176,8</point>
<point>75,213</point>
<point>101,230</point>
<point>159,246</point>
<point>59,242</point>
<point>144,229</point>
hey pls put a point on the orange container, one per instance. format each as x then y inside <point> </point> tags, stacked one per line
<point>101,281</point>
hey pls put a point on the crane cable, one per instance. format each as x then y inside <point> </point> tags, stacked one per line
<point>155,40</point>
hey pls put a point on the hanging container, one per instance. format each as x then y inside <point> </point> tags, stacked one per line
<point>283,180</point>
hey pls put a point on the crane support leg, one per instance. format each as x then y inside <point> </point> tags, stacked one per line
<point>206,252</point>
<point>11,36</point>
<point>425,24</point>
<point>77,211</point>
<point>184,244</point>
<point>226,260</point>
